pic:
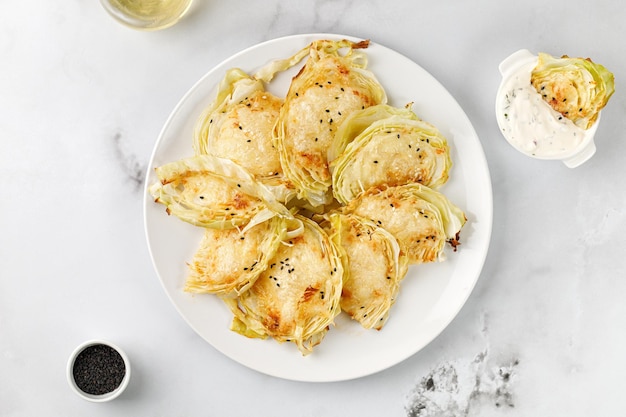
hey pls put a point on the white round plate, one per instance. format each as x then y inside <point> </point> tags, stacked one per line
<point>430,296</point>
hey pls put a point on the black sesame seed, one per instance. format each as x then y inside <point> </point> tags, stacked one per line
<point>98,369</point>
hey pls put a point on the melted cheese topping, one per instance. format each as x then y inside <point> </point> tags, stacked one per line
<point>319,99</point>
<point>392,157</point>
<point>414,222</point>
<point>229,261</point>
<point>297,296</point>
<point>244,132</point>
<point>372,279</point>
<point>216,199</point>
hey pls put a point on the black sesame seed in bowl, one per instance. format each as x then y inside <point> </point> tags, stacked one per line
<point>98,371</point>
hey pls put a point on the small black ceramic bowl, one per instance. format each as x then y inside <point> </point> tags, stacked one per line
<point>98,371</point>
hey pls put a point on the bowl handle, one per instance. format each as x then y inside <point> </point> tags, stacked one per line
<point>582,156</point>
<point>514,60</point>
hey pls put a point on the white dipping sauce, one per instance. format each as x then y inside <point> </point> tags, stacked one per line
<point>530,124</point>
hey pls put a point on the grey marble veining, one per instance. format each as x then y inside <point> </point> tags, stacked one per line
<point>465,389</point>
<point>128,162</point>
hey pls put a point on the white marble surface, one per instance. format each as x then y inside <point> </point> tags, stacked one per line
<point>82,100</point>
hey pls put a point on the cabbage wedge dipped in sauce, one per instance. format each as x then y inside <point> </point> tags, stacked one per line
<point>577,88</point>
<point>548,107</point>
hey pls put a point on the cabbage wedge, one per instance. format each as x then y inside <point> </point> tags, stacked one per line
<point>577,88</point>
<point>420,218</point>
<point>297,297</point>
<point>384,145</point>
<point>373,265</point>
<point>238,125</point>
<point>229,261</point>
<point>214,192</point>
<point>332,84</point>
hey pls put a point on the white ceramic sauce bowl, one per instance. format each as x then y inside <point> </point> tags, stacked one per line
<point>571,158</point>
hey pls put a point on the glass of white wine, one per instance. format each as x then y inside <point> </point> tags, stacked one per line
<point>147,14</point>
